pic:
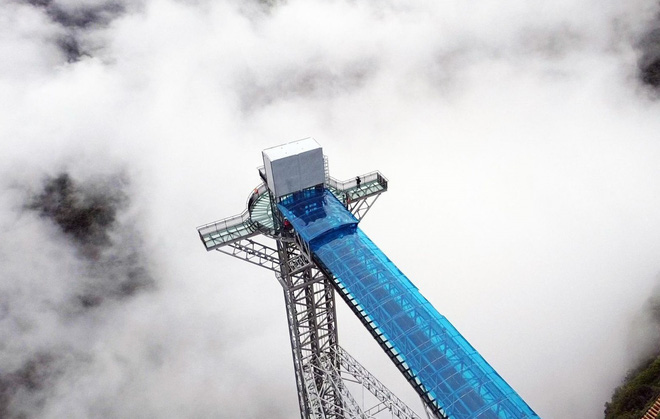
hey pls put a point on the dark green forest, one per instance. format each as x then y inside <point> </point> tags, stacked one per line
<point>639,390</point>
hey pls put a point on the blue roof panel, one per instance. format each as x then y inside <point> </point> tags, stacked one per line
<point>451,371</point>
<point>315,212</point>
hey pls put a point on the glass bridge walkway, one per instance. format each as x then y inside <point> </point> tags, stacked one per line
<point>448,373</point>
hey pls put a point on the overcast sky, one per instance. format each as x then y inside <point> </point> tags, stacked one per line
<point>520,141</point>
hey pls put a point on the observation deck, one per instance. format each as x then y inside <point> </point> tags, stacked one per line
<point>258,217</point>
<point>320,252</point>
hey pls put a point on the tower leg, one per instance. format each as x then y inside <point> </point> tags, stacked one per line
<point>312,317</point>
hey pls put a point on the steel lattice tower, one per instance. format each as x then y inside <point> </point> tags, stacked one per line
<point>321,365</point>
<point>302,224</point>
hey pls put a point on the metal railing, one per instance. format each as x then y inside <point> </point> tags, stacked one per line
<point>226,224</point>
<point>255,194</point>
<point>353,183</point>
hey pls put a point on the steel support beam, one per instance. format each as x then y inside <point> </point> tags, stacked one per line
<point>311,312</point>
<point>254,252</point>
<point>322,368</point>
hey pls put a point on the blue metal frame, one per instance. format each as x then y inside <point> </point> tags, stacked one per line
<point>450,374</point>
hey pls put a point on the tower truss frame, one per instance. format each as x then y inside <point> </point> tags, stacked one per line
<point>322,368</point>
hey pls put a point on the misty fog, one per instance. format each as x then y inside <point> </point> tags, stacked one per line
<point>520,141</point>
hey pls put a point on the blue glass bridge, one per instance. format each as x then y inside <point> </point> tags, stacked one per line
<point>445,370</point>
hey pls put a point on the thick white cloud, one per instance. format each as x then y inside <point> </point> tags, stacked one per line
<point>519,144</point>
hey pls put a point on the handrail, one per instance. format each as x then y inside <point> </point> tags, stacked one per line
<point>235,220</point>
<point>255,194</point>
<point>352,183</point>
<point>653,411</point>
<point>224,224</point>
<point>244,217</point>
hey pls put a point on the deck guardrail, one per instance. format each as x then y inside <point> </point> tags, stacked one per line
<point>256,193</point>
<point>352,183</point>
<point>224,224</point>
<point>226,230</point>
